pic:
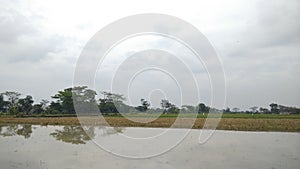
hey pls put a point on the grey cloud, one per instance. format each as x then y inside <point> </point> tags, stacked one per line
<point>13,25</point>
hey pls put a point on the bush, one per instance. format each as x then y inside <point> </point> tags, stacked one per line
<point>19,114</point>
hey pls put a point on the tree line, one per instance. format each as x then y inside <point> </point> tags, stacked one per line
<point>11,103</point>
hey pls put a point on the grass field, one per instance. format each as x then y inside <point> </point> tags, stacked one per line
<point>241,122</point>
<point>248,116</point>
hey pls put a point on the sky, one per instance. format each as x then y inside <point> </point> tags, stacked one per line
<point>258,44</point>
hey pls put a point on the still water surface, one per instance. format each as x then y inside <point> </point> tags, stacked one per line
<point>69,147</point>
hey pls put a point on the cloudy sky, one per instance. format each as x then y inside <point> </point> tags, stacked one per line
<point>258,43</point>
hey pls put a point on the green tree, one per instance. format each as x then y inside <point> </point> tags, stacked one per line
<point>64,98</point>
<point>254,109</point>
<point>189,109</point>
<point>84,99</point>
<point>227,110</point>
<point>235,110</point>
<point>264,110</point>
<point>44,104</point>
<point>274,108</point>
<point>37,109</point>
<point>144,106</point>
<point>13,98</point>
<point>111,103</point>
<point>165,104</point>
<point>203,108</point>
<point>3,104</point>
<point>168,107</point>
<point>54,108</point>
<point>25,104</point>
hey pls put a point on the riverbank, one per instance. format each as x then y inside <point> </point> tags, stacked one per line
<point>236,124</point>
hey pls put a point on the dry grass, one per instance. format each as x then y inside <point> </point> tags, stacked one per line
<point>243,124</point>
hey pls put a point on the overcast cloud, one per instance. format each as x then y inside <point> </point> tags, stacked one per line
<point>258,43</point>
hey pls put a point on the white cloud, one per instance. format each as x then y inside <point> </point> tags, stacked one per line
<point>258,42</point>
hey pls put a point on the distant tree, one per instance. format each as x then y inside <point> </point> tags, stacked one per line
<point>25,104</point>
<point>264,110</point>
<point>3,104</point>
<point>54,108</point>
<point>203,108</point>
<point>44,104</point>
<point>144,106</point>
<point>84,95</point>
<point>254,109</point>
<point>227,110</point>
<point>85,100</point>
<point>169,107</point>
<point>165,104</point>
<point>12,104</point>
<point>13,97</point>
<point>111,102</point>
<point>288,110</point>
<point>112,97</point>
<point>65,99</point>
<point>173,109</point>
<point>37,109</point>
<point>189,109</point>
<point>274,108</point>
<point>235,110</point>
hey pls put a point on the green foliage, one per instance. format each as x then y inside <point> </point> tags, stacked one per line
<point>144,106</point>
<point>14,110</point>
<point>37,109</point>
<point>11,104</point>
<point>3,104</point>
<point>111,103</point>
<point>65,99</point>
<point>203,108</point>
<point>25,104</point>
<point>274,108</point>
<point>169,107</point>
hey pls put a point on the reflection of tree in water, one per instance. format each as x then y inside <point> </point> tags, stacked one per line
<point>15,129</point>
<point>74,134</point>
<point>112,130</point>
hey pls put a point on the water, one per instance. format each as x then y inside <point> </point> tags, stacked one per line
<point>69,147</point>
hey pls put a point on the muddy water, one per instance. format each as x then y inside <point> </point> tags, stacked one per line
<point>53,147</point>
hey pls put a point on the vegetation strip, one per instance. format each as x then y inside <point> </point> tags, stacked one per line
<point>237,124</point>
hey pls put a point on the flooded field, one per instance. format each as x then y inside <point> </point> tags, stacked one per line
<point>72,147</point>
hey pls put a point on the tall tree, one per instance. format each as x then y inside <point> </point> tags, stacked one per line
<point>235,110</point>
<point>65,99</point>
<point>85,100</point>
<point>25,104</point>
<point>12,98</point>
<point>203,108</point>
<point>169,107</point>
<point>274,108</point>
<point>3,104</point>
<point>44,103</point>
<point>189,109</point>
<point>144,106</point>
<point>111,103</point>
<point>83,94</point>
<point>254,109</point>
<point>264,110</point>
<point>165,104</point>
